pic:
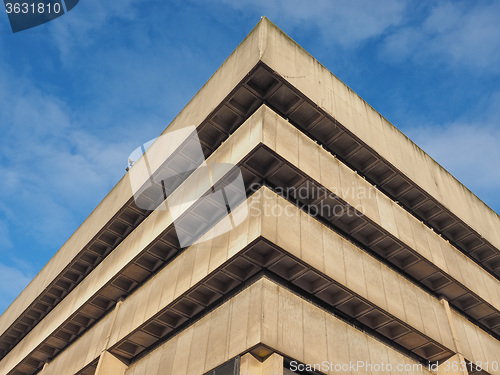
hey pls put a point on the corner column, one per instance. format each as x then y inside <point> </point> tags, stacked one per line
<point>273,365</point>
<point>455,364</point>
<point>108,363</point>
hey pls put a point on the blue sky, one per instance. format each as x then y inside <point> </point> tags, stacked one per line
<point>78,94</point>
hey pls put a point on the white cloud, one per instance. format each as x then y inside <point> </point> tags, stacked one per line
<point>344,22</point>
<point>12,282</point>
<point>468,151</point>
<point>5,241</point>
<point>454,33</point>
<point>58,159</point>
<point>54,168</point>
<point>79,28</point>
<point>460,33</point>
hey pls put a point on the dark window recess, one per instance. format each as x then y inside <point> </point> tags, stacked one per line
<point>231,367</point>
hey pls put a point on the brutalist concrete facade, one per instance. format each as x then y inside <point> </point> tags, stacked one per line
<point>354,251</point>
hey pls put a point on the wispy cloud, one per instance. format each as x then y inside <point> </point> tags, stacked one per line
<point>49,159</point>
<point>468,151</point>
<point>338,22</point>
<point>83,25</point>
<point>5,241</point>
<point>459,33</point>
<point>12,282</point>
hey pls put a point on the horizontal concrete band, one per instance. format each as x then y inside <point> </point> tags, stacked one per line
<point>265,85</point>
<point>103,230</point>
<point>295,85</point>
<point>269,314</point>
<point>338,140</point>
<point>233,153</point>
<point>328,93</point>
<point>264,313</point>
<point>134,260</point>
<point>31,338</point>
<point>201,275</point>
<point>250,257</point>
<point>396,296</point>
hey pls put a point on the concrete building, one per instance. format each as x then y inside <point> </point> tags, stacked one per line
<point>329,244</point>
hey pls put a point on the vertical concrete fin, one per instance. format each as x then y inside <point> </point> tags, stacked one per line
<point>455,364</point>
<point>273,365</point>
<point>112,324</point>
<point>110,365</point>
